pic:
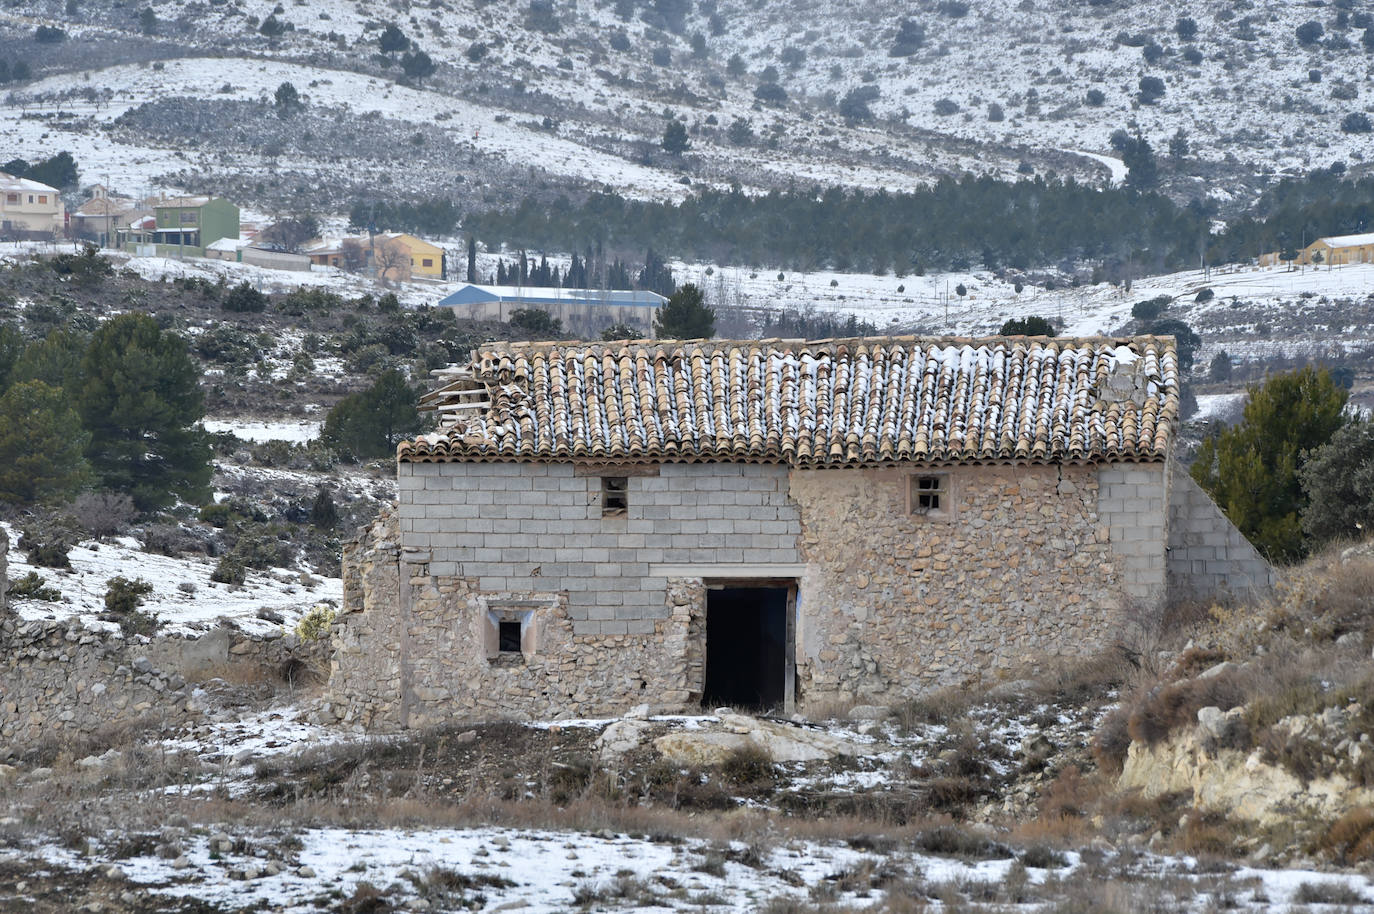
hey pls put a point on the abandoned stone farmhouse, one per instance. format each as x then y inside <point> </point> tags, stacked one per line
<point>772,523</point>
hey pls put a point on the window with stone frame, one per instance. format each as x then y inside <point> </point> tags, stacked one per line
<point>930,495</point>
<point>615,496</point>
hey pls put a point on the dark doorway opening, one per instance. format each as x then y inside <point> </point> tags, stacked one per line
<point>746,647</point>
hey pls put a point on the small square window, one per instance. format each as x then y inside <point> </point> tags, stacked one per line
<point>615,495</point>
<point>929,495</point>
<point>509,635</point>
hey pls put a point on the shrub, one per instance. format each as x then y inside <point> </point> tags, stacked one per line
<point>1151,90</point>
<point>323,513</point>
<point>49,34</point>
<point>47,539</point>
<point>102,514</point>
<point>478,49</point>
<point>229,570</point>
<point>1204,295</point>
<point>1185,28</point>
<point>748,767</point>
<point>243,298</point>
<point>535,321</point>
<point>1310,32</point>
<point>315,624</point>
<point>1252,469</point>
<point>771,94</point>
<point>911,36</point>
<point>1338,480</point>
<point>946,106</point>
<point>1095,98</point>
<point>1028,326</point>
<point>32,587</point>
<point>1174,706</point>
<point>1151,308</point>
<point>1328,893</point>
<point>123,596</point>
<point>1350,839</point>
<point>1356,122</point>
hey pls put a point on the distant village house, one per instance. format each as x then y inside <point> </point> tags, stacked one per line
<point>181,227</point>
<point>1333,250</point>
<point>30,210</point>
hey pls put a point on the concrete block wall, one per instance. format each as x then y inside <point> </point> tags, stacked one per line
<point>1208,556</point>
<point>538,528</point>
<point>1132,503</point>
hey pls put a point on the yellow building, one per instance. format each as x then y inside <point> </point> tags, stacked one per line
<point>1339,250</point>
<point>28,208</point>
<point>1333,250</point>
<point>397,255</point>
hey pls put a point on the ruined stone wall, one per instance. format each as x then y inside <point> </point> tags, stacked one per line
<point>1020,564</point>
<point>1208,557</point>
<point>61,681</point>
<point>411,648</point>
<point>894,602</point>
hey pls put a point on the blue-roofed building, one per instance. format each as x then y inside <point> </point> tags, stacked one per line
<point>583,311</point>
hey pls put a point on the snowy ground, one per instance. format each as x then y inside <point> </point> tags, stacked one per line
<point>295,431</point>
<point>183,596</point>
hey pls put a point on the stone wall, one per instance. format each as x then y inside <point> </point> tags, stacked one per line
<point>411,647</point>
<point>1208,556</point>
<point>60,681</point>
<point>1021,563</point>
<point>893,602</point>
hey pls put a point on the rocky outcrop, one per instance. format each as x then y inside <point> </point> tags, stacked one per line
<point>780,742</point>
<point>1246,784</point>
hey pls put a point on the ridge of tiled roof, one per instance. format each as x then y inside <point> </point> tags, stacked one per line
<point>819,403</point>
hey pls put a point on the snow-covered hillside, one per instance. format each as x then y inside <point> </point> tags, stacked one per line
<point>560,94</point>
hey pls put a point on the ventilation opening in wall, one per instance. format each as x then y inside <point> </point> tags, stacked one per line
<point>746,647</point>
<point>615,495</point>
<point>509,638</point>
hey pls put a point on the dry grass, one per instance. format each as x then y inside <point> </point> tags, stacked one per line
<point>1350,839</point>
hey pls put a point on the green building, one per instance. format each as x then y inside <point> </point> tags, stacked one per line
<point>182,226</point>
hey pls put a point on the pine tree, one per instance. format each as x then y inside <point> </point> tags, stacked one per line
<point>472,259</point>
<point>685,316</point>
<point>41,445</point>
<point>11,350</point>
<point>55,360</point>
<point>501,278</point>
<point>141,402</point>
<point>1252,469</point>
<point>675,141</point>
<point>372,423</point>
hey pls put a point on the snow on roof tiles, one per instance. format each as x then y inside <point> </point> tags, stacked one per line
<point>811,404</point>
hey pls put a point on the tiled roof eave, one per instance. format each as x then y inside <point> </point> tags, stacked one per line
<point>612,461</point>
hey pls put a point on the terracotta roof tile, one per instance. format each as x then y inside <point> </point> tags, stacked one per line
<point>811,404</point>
